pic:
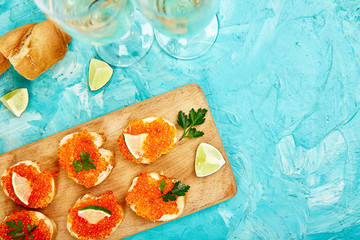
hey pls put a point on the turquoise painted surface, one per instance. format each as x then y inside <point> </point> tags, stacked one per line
<point>283,84</point>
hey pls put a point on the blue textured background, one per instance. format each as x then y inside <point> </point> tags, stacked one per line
<point>283,84</point>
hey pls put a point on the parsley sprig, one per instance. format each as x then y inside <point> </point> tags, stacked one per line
<point>188,122</point>
<point>86,163</point>
<point>18,233</point>
<point>178,190</point>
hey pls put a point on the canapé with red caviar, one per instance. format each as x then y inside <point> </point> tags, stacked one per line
<point>83,159</point>
<point>94,217</point>
<point>156,197</point>
<point>27,225</point>
<point>144,141</point>
<point>26,185</point>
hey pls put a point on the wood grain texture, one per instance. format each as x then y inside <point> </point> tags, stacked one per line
<point>178,163</point>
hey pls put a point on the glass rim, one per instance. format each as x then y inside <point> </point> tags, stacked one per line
<point>162,14</point>
<point>47,11</point>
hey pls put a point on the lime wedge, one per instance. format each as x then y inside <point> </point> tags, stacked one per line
<point>21,187</point>
<point>94,214</point>
<point>99,74</point>
<point>134,143</point>
<point>16,101</point>
<point>208,160</point>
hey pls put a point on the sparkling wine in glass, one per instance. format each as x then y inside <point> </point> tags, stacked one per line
<point>120,33</point>
<point>185,29</point>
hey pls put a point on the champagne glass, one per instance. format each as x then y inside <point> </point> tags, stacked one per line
<point>121,35</point>
<point>185,29</point>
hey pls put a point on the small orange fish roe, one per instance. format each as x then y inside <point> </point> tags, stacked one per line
<point>104,227</point>
<point>70,151</point>
<point>146,197</point>
<point>159,141</point>
<point>27,217</point>
<point>40,184</point>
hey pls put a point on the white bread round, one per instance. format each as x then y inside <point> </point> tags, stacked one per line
<point>30,163</point>
<point>86,196</point>
<point>49,223</point>
<point>151,119</point>
<point>180,201</point>
<point>106,154</point>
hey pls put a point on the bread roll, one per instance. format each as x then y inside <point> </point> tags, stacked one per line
<point>33,48</point>
<point>4,64</point>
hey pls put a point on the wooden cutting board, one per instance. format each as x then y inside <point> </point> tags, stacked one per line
<point>178,163</point>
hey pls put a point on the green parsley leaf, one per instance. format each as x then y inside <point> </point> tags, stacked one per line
<point>188,122</point>
<point>86,167</point>
<point>20,235</point>
<point>86,162</point>
<point>178,190</point>
<point>28,227</point>
<point>11,224</point>
<point>198,117</point>
<point>32,228</point>
<point>162,185</point>
<point>20,223</point>
<point>168,197</point>
<point>78,166</point>
<point>183,120</point>
<point>13,232</point>
<point>18,232</point>
<point>194,134</point>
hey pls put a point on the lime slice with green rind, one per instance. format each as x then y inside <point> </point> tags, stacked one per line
<point>208,160</point>
<point>135,143</point>
<point>93,213</point>
<point>16,101</point>
<point>99,74</point>
<point>21,187</point>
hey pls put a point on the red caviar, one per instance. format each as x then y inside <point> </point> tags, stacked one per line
<point>146,197</point>
<point>159,141</point>
<point>27,217</point>
<point>84,230</point>
<point>70,151</point>
<point>40,182</point>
